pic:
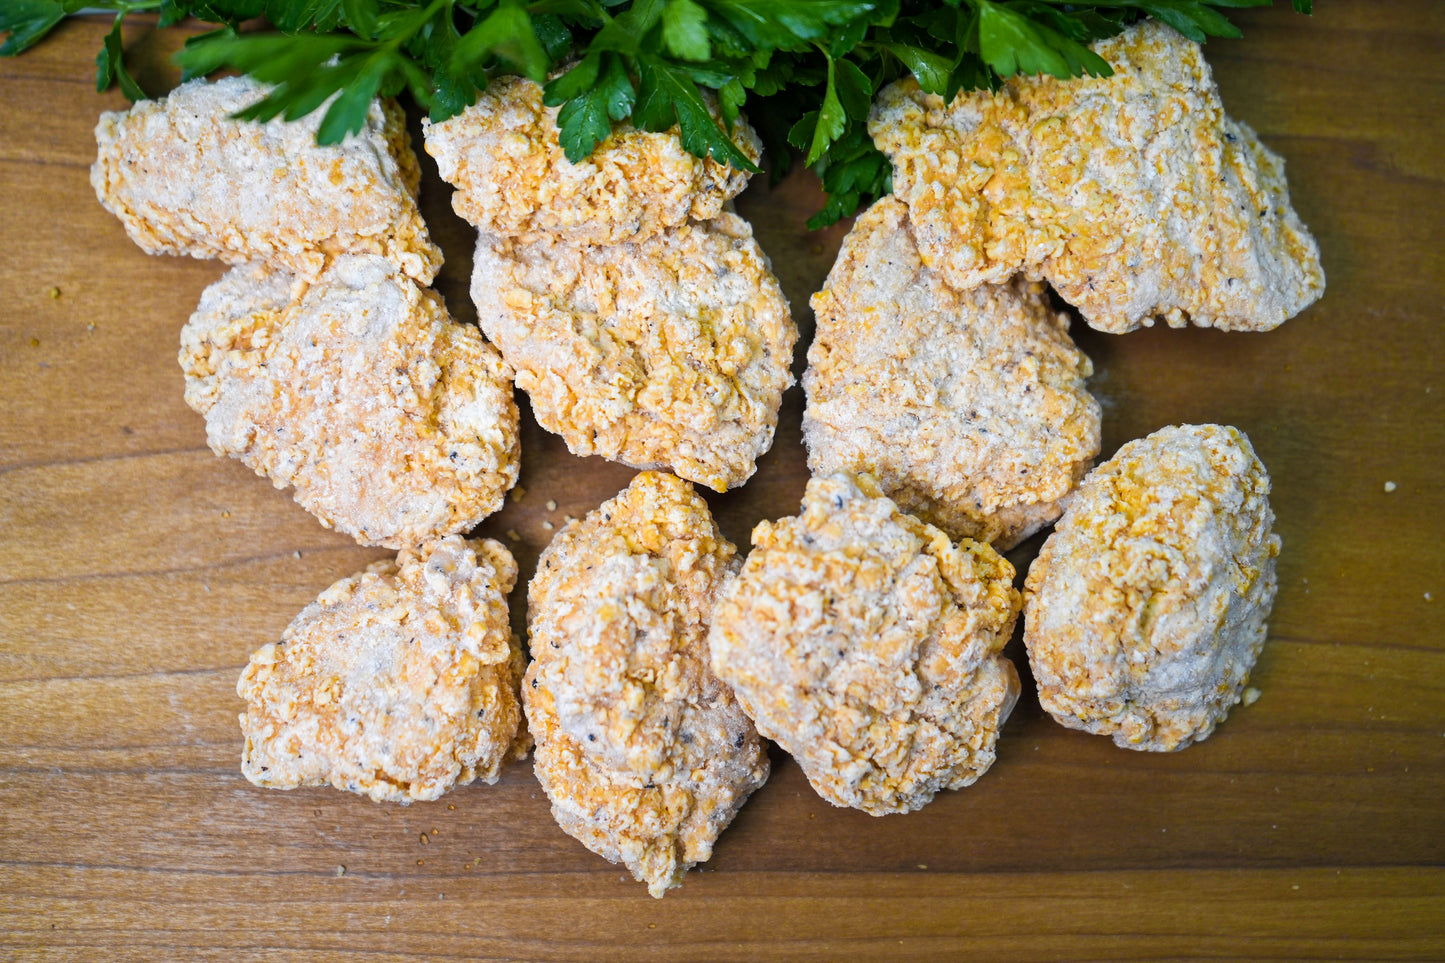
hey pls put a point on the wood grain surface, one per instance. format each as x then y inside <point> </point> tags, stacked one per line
<point>138,571</point>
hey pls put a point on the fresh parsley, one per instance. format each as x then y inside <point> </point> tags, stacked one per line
<point>807,70</point>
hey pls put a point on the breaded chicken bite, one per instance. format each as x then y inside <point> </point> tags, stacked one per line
<point>671,352</point>
<point>868,645</point>
<point>393,423</point>
<point>969,408</point>
<point>645,755</point>
<point>1133,195</point>
<point>398,683</point>
<point>1146,607</point>
<point>186,179</point>
<point>503,156</point>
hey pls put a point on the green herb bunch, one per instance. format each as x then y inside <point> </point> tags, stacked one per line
<point>807,70</point>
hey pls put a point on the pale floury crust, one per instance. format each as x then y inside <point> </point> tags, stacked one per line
<point>512,177</point>
<point>186,179</point>
<point>1146,608</point>
<point>868,645</point>
<point>672,352</point>
<point>393,423</point>
<point>1135,196</point>
<point>644,753</point>
<point>398,683</point>
<point>969,408</point>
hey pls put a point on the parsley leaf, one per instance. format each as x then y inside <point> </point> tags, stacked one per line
<point>684,30</point>
<point>27,21</point>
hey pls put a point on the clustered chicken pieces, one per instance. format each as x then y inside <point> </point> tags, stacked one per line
<point>186,179</point>
<point>868,645</point>
<point>1146,607</point>
<point>398,683</point>
<point>968,407</point>
<point>503,156</point>
<point>393,423</point>
<point>641,318</point>
<point>672,351</point>
<point>644,753</point>
<point>324,364</point>
<point>1134,195</point>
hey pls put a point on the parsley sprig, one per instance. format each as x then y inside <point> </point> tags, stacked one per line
<point>807,70</point>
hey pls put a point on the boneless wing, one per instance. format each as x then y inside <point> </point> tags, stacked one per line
<point>397,683</point>
<point>671,352</point>
<point>644,753</point>
<point>1134,195</point>
<point>184,178</point>
<point>968,407</point>
<point>393,423</point>
<point>504,157</point>
<point>869,646</point>
<point>1146,608</point>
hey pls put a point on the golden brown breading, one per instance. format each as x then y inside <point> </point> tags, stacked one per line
<point>503,156</point>
<point>868,645</point>
<point>968,408</point>
<point>186,179</point>
<point>393,423</point>
<point>1146,607</point>
<point>398,683</point>
<point>1133,195</point>
<point>672,352</point>
<point>645,755</point>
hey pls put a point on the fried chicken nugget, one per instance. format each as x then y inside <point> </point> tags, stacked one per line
<point>868,645</point>
<point>969,408</point>
<point>503,156</point>
<point>398,683</point>
<point>393,423</point>
<point>1133,195</point>
<point>645,755</point>
<point>186,179</point>
<point>672,352</point>
<point>1146,608</point>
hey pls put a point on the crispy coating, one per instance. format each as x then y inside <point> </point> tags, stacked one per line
<point>969,408</point>
<point>186,179</point>
<point>398,683</point>
<point>672,352</point>
<point>1146,607</point>
<point>503,156</point>
<point>868,645</point>
<point>393,423</point>
<point>1133,195</point>
<point>645,755</point>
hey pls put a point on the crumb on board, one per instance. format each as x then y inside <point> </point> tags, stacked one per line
<point>1251,696</point>
<point>1390,486</point>
<point>551,505</point>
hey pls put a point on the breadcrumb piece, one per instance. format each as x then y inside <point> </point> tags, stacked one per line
<point>398,683</point>
<point>393,423</point>
<point>184,178</point>
<point>513,179</point>
<point>671,352</point>
<point>868,645</point>
<point>969,408</point>
<point>644,753</point>
<point>1134,195</point>
<point>1145,610</point>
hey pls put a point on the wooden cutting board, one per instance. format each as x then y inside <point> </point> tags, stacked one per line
<point>138,571</point>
